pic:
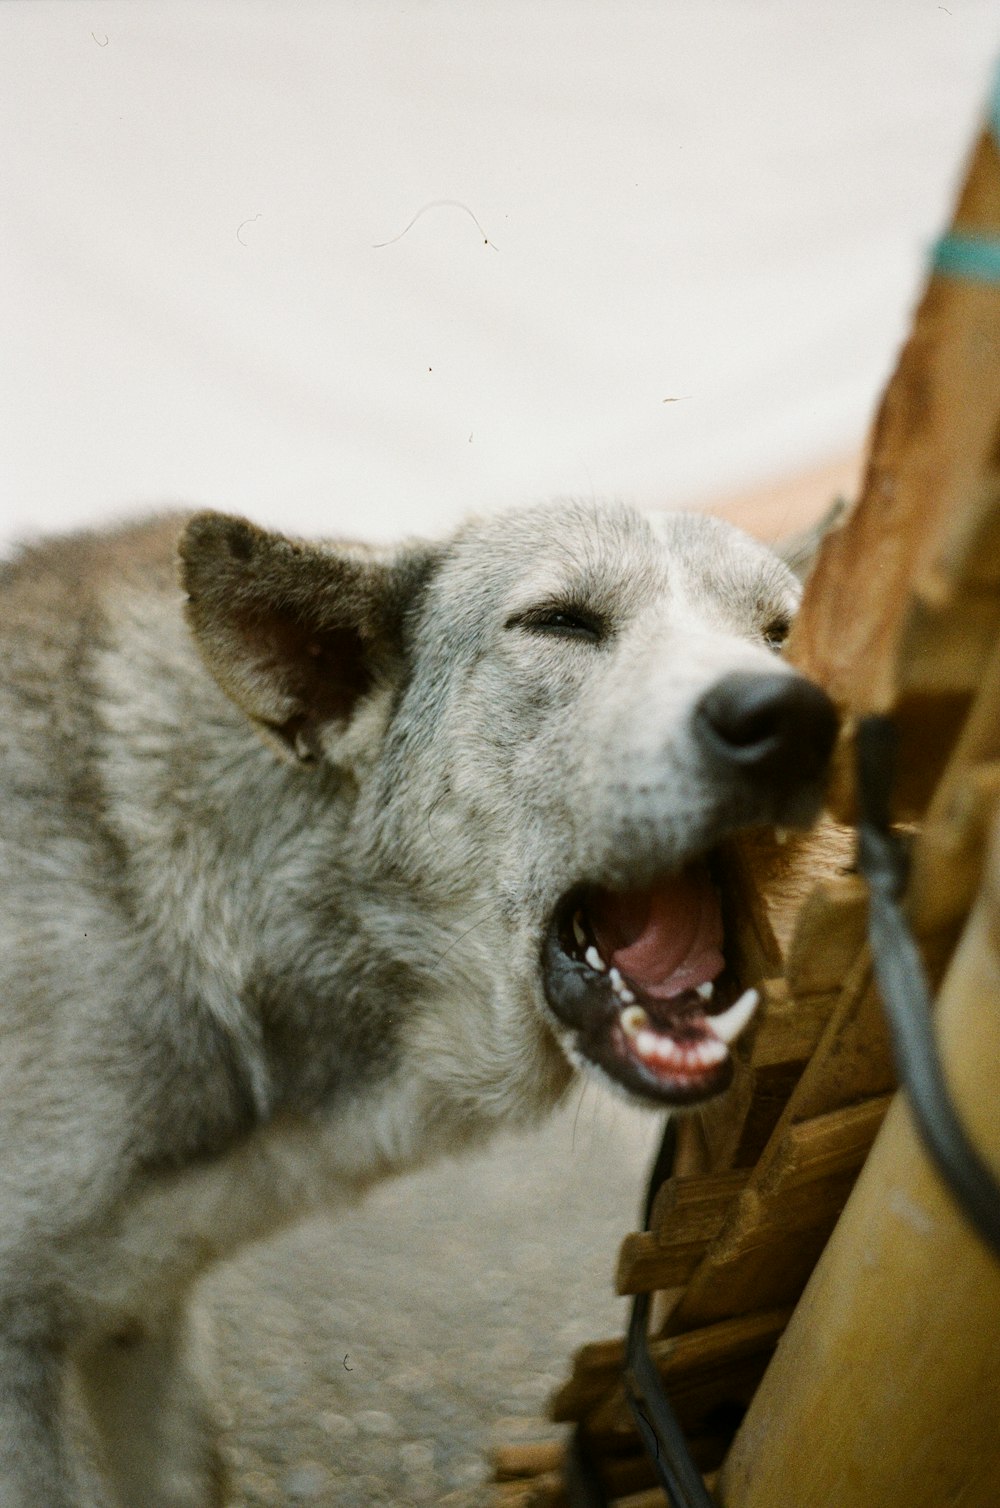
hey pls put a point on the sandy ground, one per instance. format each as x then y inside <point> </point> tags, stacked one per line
<point>374,1360</point>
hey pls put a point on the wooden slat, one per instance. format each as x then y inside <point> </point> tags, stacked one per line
<point>687,1214</point>
<point>779,1227</point>
<point>599,1355</point>
<point>681,1356</point>
<point>677,1358</point>
<point>829,933</point>
<point>853,1060</point>
<point>531,1459</point>
<point>790,1027</point>
<point>693,1209</point>
<point>645,1264</point>
<point>824,1146</point>
<point>697,1400</point>
<point>773,1087</point>
<point>545,1491</point>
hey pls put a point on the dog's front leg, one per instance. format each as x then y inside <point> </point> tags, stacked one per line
<point>33,1466</point>
<point>156,1434</point>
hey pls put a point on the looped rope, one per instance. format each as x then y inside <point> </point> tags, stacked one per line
<point>899,970</point>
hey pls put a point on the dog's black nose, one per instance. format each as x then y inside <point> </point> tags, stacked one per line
<point>774,728</point>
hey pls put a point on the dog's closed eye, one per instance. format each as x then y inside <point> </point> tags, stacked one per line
<point>565,621</point>
<point>776,632</point>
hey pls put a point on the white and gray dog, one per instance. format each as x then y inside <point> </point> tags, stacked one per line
<point>325,859</point>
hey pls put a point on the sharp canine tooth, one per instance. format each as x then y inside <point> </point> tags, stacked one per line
<point>730,1023</point>
<point>705,991</point>
<point>578,931</point>
<point>595,960</point>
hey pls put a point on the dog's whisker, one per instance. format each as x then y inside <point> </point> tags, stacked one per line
<point>584,1086</point>
<point>483,910</point>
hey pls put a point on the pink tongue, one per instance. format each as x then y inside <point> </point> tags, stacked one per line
<point>666,940</point>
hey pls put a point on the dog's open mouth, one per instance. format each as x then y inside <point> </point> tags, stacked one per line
<point>640,978</point>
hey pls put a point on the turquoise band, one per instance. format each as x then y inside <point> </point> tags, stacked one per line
<point>960,254</point>
<point>976,258</point>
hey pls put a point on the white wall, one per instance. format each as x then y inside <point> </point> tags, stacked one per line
<point>723,202</point>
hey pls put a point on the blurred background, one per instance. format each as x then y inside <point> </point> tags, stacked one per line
<point>363,268</point>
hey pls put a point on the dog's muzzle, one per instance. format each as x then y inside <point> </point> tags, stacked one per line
<point>640,976</point>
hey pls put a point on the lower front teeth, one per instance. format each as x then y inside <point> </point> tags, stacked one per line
<point>656,1047</point>
<point>704,1054</point>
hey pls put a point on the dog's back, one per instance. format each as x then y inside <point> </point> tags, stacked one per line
<point>104,1075</point>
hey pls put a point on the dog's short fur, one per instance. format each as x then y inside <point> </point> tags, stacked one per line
<point>280,846</point>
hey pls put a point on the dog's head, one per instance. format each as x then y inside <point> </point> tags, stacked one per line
<point>552,721</point>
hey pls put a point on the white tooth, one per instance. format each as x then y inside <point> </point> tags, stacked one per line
<point>730,1023</point>
<point>578,931</point>
<point>595,960</point>
<point>710,1052</point>
<point>705,991</point>
<point>619,986</point>
<point>647,1043</point>
<point>634,1020</point>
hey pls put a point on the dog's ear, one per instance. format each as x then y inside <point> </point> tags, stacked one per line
<point>298,635</point>
<point>800,551</point>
